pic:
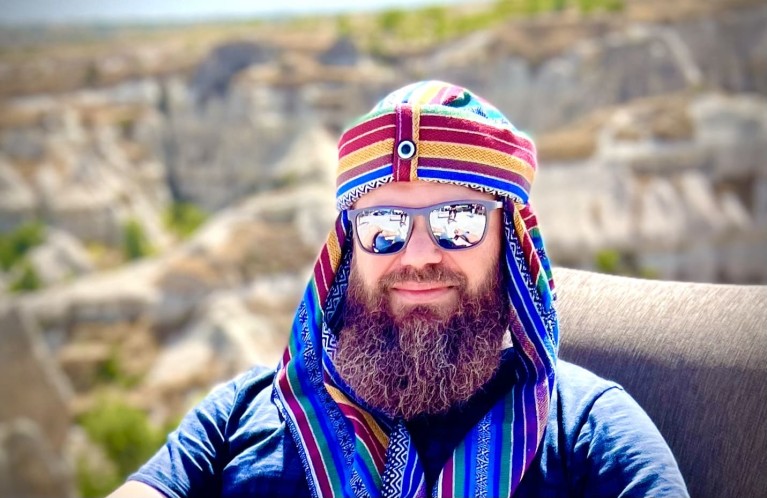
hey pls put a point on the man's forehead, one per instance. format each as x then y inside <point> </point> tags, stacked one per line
<point>417,194</point>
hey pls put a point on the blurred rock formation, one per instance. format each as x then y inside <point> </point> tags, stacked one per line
<point>29,468</point>
<point>35,415</point>
<point>639,104</point>
<point>652,139</point>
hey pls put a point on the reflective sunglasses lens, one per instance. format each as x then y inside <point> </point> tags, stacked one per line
<point>382,231</point>
<point>457,226</point>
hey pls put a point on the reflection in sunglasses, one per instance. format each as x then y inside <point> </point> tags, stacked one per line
<point>453,225</point>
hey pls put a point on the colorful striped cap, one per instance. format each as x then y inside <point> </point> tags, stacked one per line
<point>435,131</point>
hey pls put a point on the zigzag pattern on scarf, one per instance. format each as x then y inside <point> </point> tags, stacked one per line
<point>370,441</point>
<point>483,456</point>
<point>403,476</point>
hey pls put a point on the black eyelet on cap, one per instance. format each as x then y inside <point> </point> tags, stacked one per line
<point>406,149</point>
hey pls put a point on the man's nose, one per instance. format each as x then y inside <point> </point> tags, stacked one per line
<point>420,249</point>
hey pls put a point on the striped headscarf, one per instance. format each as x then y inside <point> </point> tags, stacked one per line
<point>438,132</point>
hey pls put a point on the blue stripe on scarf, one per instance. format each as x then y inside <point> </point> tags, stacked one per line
<point>496,461</point>
<point>453,176</point>
<point>470,455</point>
<point>531,419</point>
<point>304,378</point>
<point>522,301</point>
<point>370,176</point>
<point>371,488</point>
<point>412,473</point>
<point>518,430</point>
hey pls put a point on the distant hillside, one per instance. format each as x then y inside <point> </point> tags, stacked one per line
<point>54,59</point>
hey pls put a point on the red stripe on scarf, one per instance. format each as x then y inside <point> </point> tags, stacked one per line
<point>313,450</point>
<point>401,167</point>
<point>365,140</point>
<point>364,168</point>
<point>447,478</point>
<point>483,169</point>
<point>453,123</point>
<point>323,275</point>
<point>340,234</point>
<point>532,257</point>
<point>364,127</point>
<point>477,138</point>
<point>452,93</point>
<point>377,451</point>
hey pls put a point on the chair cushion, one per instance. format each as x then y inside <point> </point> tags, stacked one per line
<point>693,355</point>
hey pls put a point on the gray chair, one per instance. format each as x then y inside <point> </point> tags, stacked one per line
<point>693,355</point>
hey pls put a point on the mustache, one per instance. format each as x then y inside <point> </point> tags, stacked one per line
<point>429,273</point>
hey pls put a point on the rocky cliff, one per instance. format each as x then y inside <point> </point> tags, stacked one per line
<point>652,138</point>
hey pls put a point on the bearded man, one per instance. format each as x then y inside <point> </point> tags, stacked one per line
<point>418,366</point>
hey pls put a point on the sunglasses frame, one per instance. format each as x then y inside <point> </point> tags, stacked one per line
<point>424,212</point>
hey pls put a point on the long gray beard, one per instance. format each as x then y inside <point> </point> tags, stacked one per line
<point>421,362</point>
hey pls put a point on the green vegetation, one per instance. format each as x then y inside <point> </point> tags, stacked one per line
<point>343,25</point>
<point>434,24</point>
<point>391,20</point>
<point>15,245</point>
<point>615,262</point>
<point>127,438</point>
<point>609,261</point>
<point>519,8</point>
<point>438,18</point>
<point>123,432</point>
<point>96,481</point>
<point>184,218</point>
<point>589,6</point>
<point>135,243</point>
<point>28,280</point>
<point>112,371</point>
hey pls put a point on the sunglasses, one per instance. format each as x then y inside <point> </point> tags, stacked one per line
<point>453,225</point>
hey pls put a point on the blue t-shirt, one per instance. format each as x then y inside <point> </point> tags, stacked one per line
<point>598,443</point>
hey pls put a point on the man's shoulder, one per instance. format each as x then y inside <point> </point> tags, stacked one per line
<point>257,378</point>
<point>589,408</point>
<point>581,393</point>
<point>241,406</point>
<point>246,391</point>
<point>612,446</point>
<point>576,383</point>
<point>252,387</point>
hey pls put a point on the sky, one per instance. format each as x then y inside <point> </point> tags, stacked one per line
<point>13,12</point>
